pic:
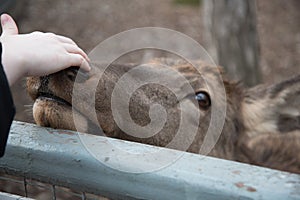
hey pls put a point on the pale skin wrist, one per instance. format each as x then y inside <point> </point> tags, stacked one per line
<point>12,67</point>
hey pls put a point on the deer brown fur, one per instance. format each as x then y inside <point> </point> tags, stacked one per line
<point>262,124</point>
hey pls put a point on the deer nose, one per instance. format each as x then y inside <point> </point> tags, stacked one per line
<point>76,74</point>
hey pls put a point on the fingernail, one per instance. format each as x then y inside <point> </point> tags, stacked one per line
<point>4,18</point>
<point>88,67</point>
<point>87,58</point>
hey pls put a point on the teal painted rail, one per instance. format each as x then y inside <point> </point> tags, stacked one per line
<point>59,157</point>
<point>7,196</point>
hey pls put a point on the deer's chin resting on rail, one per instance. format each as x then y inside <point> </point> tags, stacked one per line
<point>262,124</point>
<point>46,111</point>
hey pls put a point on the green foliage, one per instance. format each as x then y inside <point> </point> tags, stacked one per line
<point>188,2</point>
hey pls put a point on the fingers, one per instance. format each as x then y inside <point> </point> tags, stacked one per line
<point>73,48</point>
<point>8,25</point>
<point>78,60</point>
<point>61,38</point>
<point>77,56</point>
<point>65,39</point>
<point>69,45</point>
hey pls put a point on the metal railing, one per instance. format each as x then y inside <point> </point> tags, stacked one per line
<point>59,157</point>
<point>7,196</point>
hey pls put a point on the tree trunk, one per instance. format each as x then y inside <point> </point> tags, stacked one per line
<point>230,31</point>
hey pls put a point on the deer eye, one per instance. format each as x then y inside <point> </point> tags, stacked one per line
<point>203,100</point>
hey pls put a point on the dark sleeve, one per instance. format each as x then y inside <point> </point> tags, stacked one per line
<point>7,108</point>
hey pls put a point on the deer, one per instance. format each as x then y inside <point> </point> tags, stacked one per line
<point>261,124</point>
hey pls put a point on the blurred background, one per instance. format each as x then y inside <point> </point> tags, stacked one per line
<point>257,41</point>
<point>272,26</point>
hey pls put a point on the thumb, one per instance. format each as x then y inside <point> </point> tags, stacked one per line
<point>8,25</point>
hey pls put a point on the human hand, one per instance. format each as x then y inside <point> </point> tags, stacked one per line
<point>37,53</point>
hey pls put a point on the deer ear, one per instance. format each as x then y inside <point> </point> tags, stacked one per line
<point>273,109</point>
<point>284,101</point>
<point>271,118</point>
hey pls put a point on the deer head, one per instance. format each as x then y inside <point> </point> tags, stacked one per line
<point>261,125</point>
